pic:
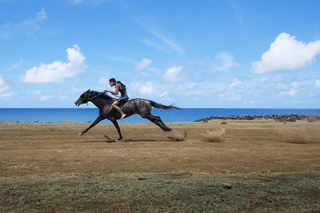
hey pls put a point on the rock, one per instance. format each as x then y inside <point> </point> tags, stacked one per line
<point>280,118</point>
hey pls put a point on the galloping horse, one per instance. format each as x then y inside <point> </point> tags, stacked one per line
<point>133,106</point>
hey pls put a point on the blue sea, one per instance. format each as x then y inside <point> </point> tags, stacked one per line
<point>90,114</point>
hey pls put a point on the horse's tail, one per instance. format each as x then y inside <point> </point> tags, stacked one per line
<point>161,106</point>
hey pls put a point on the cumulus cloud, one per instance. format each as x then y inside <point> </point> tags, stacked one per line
<point>145,88</point>
<point>286,53</point>
<point>4,88</point>
<point>235,82</point>
<point>172,74</point>
<point>317,83</point>
<point>29,26</point>
<point>58,70</point>
<point>144,63</point>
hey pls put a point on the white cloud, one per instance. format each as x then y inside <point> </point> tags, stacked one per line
<point>122,60</point>
<point>225,61</point>
<point>286,53</point>
<point>145,88</point>
<point>222,61</point>
<point>4,89</point>
<point>45,97</point>
<point>144,63</point>
<point>172,73</point>
<point>236,11</point>
<point>29,26</point>
<point>163,94</point>
<point>317,83</point>
<point>161,42</point>
<point>174,46</point>
<point>155,45</point>
<point>103,80</point>
<point>58,70</point>
<point>41,15</point>
<point>15,66</point>
<point>235,82</point>
<point>272,78</point>
<point>290,92</point>
<point>291,89</point>
<point>294,85</point>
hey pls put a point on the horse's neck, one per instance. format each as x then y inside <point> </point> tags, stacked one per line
<point>100,102</point>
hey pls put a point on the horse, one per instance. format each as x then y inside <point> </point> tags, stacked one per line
<point>133,106</point>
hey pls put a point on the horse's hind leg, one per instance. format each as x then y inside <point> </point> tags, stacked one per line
<point>163,124</point>
<point>157,120</point>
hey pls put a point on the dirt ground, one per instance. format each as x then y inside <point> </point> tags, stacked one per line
<point>249,146</point>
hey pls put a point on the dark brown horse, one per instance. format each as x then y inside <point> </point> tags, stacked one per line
<point>133,106</point>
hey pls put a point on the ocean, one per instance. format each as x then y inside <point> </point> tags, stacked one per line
<point>90,114</point>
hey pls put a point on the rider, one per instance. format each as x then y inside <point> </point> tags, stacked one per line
<point>119,87</point>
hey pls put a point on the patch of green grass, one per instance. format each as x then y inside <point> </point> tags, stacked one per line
<point>162,192</point>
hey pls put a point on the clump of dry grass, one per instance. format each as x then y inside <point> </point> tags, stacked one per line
<point>312,118</point>
<point>298,135</point>
<point>177,136</point>
<point>214,135</point>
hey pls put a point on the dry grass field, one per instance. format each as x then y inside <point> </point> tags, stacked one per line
<point>241,166</point>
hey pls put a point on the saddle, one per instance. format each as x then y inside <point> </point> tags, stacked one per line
<point>123,103</point>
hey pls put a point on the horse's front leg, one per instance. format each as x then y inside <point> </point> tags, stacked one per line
<point>99,118</point>
<point>116,125</point>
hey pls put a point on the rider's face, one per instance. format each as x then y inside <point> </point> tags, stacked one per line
<point>111,83</point>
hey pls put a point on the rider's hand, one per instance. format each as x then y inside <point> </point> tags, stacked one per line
<point>106,91</point>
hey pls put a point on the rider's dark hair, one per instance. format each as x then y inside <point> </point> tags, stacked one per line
<point>112,80</point>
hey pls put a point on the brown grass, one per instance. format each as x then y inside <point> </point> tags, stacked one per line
<point>251,146</point>
<point>177,136</point>
<point>214,135</point>
<point>298,135</point>
<point>292,135</point>
<point>312,119</point>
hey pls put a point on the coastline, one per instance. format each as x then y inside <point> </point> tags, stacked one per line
<point>182,115</point>
<point>276,117</point>
<point>248,117</point>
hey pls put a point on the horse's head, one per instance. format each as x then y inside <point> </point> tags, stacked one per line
<point>84,98</point>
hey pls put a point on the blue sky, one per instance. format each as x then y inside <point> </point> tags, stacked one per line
<point>190,53</point>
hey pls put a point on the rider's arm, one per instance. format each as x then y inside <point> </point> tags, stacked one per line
<point>116,91</point>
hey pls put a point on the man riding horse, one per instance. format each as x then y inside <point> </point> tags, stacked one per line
<point>119,87</point>
<point>107,104</point>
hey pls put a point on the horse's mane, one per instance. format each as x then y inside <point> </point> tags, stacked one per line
<point>103,95</point>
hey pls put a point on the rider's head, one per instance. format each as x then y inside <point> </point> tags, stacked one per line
<point>112,82</point>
